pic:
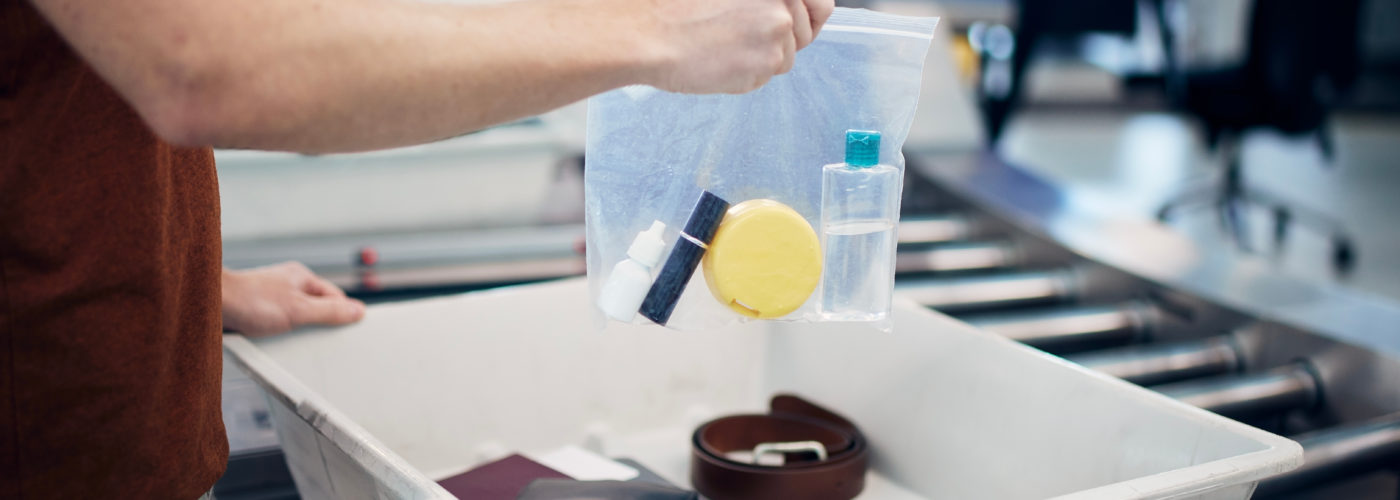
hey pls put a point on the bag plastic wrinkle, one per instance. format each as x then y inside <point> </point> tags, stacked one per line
<point>650,154</point>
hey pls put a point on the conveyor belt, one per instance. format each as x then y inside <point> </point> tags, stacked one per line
<point>1211,330</point>
<point>1232,339</point>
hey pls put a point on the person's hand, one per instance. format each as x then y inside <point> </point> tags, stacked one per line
<point>274,299</point>
<point>731,46</point>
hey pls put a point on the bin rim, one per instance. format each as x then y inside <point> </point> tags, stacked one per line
<point>327,421</point>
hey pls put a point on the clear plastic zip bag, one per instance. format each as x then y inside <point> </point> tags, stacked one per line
<point>778,204</point>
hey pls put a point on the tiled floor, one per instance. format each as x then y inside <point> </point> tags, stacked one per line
<point>1130,162</point>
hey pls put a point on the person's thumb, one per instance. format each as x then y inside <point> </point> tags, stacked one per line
<point>329,311</point>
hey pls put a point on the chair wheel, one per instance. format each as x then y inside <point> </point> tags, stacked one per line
<point>1343,255</point>
<point>1282,218</point>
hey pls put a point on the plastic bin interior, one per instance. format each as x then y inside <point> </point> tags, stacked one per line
<point>423,390</point>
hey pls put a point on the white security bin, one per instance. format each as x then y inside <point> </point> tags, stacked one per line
<point>422,390</point>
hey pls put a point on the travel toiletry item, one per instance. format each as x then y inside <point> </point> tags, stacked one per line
<point>765,260</point>
<point>860,207</point>
<point>630,279</point>
<point>690,247</point>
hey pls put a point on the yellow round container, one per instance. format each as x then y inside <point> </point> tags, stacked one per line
<point>764,261</point>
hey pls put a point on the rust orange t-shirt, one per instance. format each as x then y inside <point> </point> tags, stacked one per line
<point>109,287</point>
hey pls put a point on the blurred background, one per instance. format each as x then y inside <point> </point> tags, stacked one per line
<point>1135,103</point>
<point>1129,105</point>
<point>1218,169</point>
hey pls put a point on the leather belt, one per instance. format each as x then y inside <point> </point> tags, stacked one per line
<point>820,455</point>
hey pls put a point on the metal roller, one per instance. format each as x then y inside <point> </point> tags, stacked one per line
<point>424,260</point>
<point>956,257</point>
<point>1340,453</point>
<point>1071,329</point>
<point>1164,363</point>
<point>1250,396</point>
<point>935,229</point>
<point>989,292</point>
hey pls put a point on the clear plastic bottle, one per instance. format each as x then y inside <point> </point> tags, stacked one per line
<point>860,204</point>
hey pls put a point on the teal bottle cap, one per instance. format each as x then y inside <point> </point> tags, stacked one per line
<point>862,148</point>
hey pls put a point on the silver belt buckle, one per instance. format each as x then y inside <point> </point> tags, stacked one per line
<point>779,450</point>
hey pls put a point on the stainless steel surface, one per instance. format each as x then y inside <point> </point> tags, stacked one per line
<point>1129,162</point>
<point>988,292</point>
<point>1064,329</point>
<point>1250,396</point>
<point>1156,253</point>
<point>426,259</point>
<point>1340,453</point>
<point>1164,363</point>
<point>935,229</point>
<point>957,257</point>
<point>1358,383</point>
<point>512,243</point>
<point>490,272</point>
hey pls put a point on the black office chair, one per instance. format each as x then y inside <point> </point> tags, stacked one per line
<point>1039,23</point>
<point>1301,56</point>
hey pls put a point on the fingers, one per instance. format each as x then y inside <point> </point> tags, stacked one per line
<point>323,302</point>
<point>756,83</point>
<point>291,267</point>
<point>733,46</point>
<point>327,311</point>
<point>818,11</point>
<point>789,54</point>
<point>317,286</point>
<point>789,39</point>
<point>802,27</point>
<point>308,282</point>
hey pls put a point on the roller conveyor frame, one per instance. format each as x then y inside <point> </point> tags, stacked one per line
<point>1310,358</point>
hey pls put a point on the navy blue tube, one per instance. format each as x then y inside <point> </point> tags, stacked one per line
<point>705,217</point>
<point>661,299</point>
<point>685,256</point>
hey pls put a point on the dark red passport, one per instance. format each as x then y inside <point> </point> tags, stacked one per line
<point>499,480</point>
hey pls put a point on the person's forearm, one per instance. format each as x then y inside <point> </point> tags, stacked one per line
<point>317,76</point>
